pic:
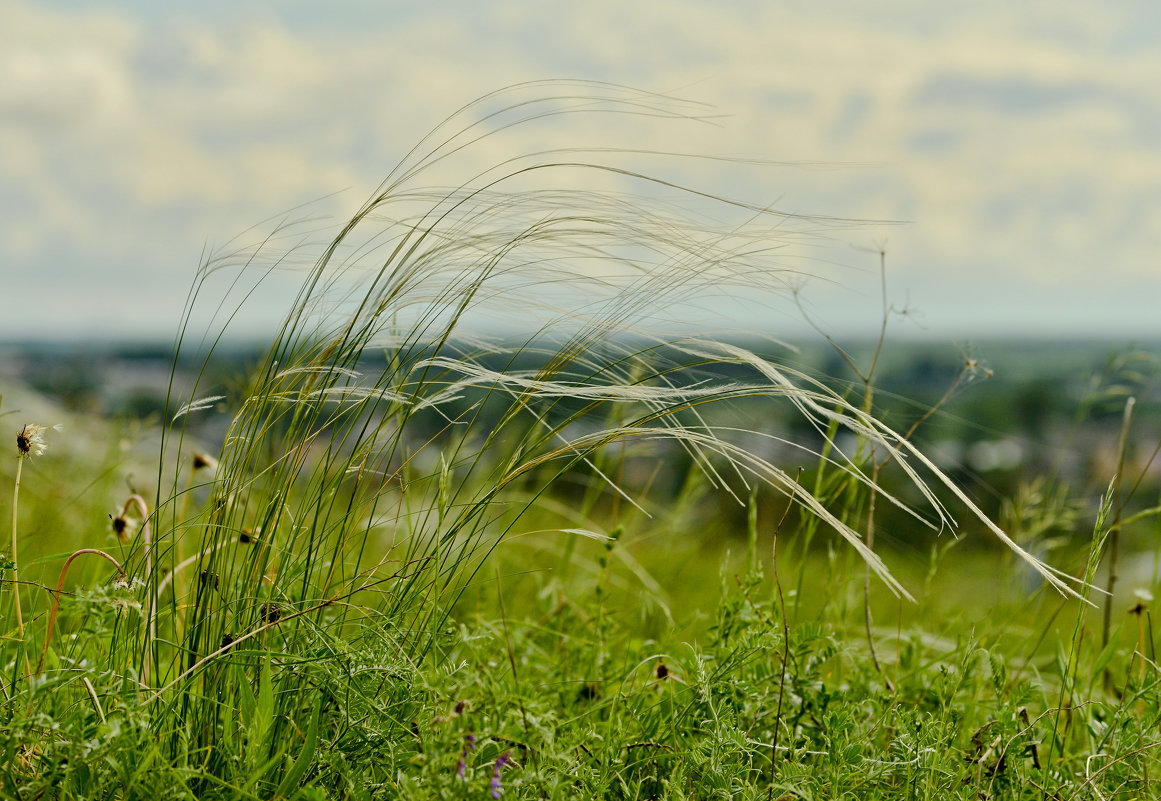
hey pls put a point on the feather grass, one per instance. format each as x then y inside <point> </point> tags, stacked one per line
<point>378,454</point>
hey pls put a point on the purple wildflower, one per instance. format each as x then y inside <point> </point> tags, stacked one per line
<point>501,761</point>
<point>469,745</point>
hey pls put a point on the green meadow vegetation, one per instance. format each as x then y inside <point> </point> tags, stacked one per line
<point>596,560</point>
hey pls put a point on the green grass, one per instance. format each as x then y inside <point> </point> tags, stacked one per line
<point>408,572</point>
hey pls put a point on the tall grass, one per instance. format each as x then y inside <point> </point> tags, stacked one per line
<point>383,447</point>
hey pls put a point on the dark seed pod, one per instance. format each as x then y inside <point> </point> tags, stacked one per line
<point>589,691</point>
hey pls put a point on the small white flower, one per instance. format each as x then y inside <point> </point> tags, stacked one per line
<point>1143,595</point>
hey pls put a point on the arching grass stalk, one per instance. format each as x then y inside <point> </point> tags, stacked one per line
<point>56,596</point>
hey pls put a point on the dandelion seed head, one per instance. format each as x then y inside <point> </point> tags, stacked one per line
<point>975,368</point>
<point>30,440</point>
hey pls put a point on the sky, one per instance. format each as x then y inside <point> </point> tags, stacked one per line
<point>1006,156</point>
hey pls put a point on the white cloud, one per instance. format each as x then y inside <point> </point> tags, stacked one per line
<point>1022,143</point>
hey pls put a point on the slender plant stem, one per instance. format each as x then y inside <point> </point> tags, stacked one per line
<point>15,572</point>
<point>785,641</point>
<point>868,405</point>
<point>1115,532</point>
<point>868,621</point>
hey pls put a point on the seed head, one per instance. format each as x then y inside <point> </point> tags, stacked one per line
<point>123,526</point>
<point>30,440</point>
<point>202,461</point>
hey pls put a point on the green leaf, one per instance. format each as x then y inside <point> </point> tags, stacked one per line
<point>305,757</point>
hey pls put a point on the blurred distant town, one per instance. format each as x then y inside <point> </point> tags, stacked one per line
<point>1028,413</point>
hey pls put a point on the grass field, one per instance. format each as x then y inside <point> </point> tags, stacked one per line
<point>599,563</point>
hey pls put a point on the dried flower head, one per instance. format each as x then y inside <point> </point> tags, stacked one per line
<point>977,368</point>
<point>589,691</point>
<point>202,461</point>
<point>123,526</point>
<point>30,440</point>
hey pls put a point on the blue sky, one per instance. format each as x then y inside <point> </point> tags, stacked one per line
<point>1020,143</point>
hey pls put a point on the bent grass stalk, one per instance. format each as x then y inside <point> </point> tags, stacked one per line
<point>56,596</point>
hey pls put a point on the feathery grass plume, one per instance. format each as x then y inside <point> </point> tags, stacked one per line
<point>383,448</point>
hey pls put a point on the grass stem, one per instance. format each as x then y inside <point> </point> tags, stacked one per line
<point>14,558</point>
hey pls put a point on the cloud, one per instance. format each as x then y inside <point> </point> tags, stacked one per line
<point>1020,143</point>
